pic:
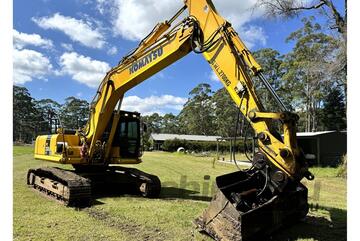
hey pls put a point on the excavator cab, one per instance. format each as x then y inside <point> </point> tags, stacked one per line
<point>127,138</point>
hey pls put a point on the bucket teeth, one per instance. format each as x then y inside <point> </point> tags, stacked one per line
<point>236,213</point>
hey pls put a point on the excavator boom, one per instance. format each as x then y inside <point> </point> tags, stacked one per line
<point>270,190</point>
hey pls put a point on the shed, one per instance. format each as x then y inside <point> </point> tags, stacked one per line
<point>325,148</point>
<point>158,139</point>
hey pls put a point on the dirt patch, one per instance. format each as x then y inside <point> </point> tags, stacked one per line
<point>135,230</point>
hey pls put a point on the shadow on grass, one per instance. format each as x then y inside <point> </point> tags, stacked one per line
<point>167,193</point>
<point>316,227</point>
<point>181,193</point>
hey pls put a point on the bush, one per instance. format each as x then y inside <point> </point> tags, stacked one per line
<point>200,146</point>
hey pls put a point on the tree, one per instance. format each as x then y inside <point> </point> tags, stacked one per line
<point>24,115</point>
<point>291,8</point>
<point>170,124</point>
<point>153,122</point>
<point>333,115</point>
<point>197,115</point>
<point>306,70</point>
<point>74,113</point>
<point>270,61</point>
<point>335,18</point>
<point>225,113</point>
<point>48,110</point>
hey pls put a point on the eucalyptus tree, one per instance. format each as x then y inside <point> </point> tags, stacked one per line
<point>307,72</point>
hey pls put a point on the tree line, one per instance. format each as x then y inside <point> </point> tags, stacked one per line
<point>308,79</point>
<point>34,117</point>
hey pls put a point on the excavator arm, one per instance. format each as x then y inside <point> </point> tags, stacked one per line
<point>248,202</point>
<point>207,33</point>
<point>152,55</point>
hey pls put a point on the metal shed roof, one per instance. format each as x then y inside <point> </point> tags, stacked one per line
<point>313,133</point>
<point>163,137</point>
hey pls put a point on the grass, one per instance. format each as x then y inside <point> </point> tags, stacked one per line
<point>185,194</point>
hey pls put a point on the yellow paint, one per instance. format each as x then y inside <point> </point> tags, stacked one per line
<point>229,58</point>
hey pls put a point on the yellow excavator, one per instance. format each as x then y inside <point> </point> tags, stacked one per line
<point>248,203</point>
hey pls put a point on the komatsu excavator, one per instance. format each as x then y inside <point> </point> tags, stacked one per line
<point>248,203</point>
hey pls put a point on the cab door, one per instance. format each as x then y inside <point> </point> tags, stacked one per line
<point>129,137</point>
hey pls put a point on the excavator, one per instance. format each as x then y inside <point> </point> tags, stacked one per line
<point>249,203</point>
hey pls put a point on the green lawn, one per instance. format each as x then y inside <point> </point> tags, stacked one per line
<point>184,197</point>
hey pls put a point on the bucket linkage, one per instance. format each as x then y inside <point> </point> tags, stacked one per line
<point>249,205</point>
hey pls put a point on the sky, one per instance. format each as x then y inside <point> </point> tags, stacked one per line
<point>64,48</point>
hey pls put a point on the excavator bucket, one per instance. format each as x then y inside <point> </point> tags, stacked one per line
<point>238,212</point>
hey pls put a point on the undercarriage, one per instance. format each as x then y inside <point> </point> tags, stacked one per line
<point>78,188</point>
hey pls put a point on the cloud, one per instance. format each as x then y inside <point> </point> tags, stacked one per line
<point>83,69</point>
<point>103,5</point>
<point>67,47</point>
<point>112,51</point>
<point>77,29</point>
<point>134,19</point>
<point>29,64</point>
<point>213,77</point>
<point>238,12</point>
<point>153,104</point>
<point>253,35</point>
<point>23,39</point>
